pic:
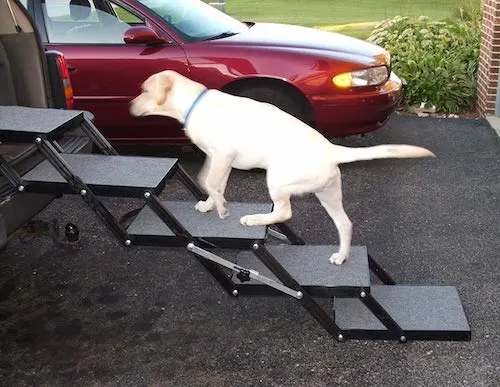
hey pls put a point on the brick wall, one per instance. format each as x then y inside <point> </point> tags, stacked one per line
<point>489,58</point>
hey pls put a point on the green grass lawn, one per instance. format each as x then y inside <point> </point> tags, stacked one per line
<point>316,13</point>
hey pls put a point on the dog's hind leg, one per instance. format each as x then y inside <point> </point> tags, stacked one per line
<point>282,211</point>
<point>215,183</point>
<point>330,198</point>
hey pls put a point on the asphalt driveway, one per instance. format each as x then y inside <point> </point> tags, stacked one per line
<point>99,314</point>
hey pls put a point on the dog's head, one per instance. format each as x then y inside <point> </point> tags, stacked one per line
<point>154,97</point>
<point>167,93</point>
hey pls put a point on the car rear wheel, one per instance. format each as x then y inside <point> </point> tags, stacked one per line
<point>276,97</point>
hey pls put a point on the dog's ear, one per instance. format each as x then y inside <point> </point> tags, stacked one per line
<point>164,82</point>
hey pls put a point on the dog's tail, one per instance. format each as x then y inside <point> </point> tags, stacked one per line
<point>348,155</point>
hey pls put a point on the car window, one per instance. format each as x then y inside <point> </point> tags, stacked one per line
<point>126,16</point>
<point>87,21</point>
<point>195,20</point>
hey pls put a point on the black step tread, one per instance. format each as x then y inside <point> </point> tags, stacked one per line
<point>104,174</point>
<point>309,265</point>
<point>148,229</point>
<point>23,124</point>
<point>421,311</point>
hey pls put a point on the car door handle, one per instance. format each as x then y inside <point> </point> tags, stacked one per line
<point>71,69</point>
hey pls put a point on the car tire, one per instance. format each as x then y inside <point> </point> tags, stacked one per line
<point>275,97</point>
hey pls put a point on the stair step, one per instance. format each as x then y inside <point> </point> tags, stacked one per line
<point>309,265</point>
<point>105,175</point>
<point>149,230</point>
<point>423,312</point>
<point>23,124</point>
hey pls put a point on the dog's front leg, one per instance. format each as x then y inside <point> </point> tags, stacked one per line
<point>209,204</point>
<point>216,179</point>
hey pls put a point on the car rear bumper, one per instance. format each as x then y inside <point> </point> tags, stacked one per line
<point>356,112</point>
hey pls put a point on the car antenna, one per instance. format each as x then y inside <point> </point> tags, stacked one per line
<point>18,27</point>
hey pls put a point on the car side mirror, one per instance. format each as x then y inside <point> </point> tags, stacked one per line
<point>143,35</point>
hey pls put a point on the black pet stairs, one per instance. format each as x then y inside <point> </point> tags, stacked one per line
<point>360,309</point>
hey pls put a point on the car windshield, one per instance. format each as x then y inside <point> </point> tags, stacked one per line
<point>195,20</point>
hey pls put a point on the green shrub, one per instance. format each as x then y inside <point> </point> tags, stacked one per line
<point>439,60</point>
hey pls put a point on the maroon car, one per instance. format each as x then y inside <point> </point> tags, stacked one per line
<point>339,85</point>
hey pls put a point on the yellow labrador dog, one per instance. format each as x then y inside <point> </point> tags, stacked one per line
<point>238,132</point>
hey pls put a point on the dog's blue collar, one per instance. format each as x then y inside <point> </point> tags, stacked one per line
<point>193,106</point>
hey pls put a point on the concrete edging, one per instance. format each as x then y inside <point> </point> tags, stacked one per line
<point>494,121</point>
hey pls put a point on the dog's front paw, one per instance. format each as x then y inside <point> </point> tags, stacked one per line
<point>204,205</point>
<point>337,259</point>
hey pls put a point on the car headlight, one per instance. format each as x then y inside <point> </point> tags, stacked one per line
<point>361,78</point>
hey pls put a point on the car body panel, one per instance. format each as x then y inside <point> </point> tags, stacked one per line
<point>297,37</point>
<point>107,77</point>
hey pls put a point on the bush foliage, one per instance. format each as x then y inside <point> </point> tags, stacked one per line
<point>439,60</point>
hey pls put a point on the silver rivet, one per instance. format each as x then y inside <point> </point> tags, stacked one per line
<point>300,295</point>
<point>255,246</point>
<point>340,338</point>
<point>190,246</point>
<point>83,192</point>
<point>38,140</point>
<point>235,292</point>
<point>147,195</point>
<point>128,242</point>
<point>362,294</point>
<point>20,188</point>
<point>402,339</point>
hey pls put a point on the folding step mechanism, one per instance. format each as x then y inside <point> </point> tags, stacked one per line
<point>360,310</point>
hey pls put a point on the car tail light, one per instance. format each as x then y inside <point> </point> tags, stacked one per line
<point>60,83</point>
<point>68,89</point>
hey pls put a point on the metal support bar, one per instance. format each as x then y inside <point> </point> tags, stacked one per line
<point>58,147</point>
<point>219,274</point>
<point>290,234</point>
<point>195,189</point>
<point>97,138</point>
<point>307,301</point>
<point>167,217</point>
<point>379,271</point>
<point>384,317</point>
<point>80,187</point>
<point>10,174</point>
<point>243,272</point>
